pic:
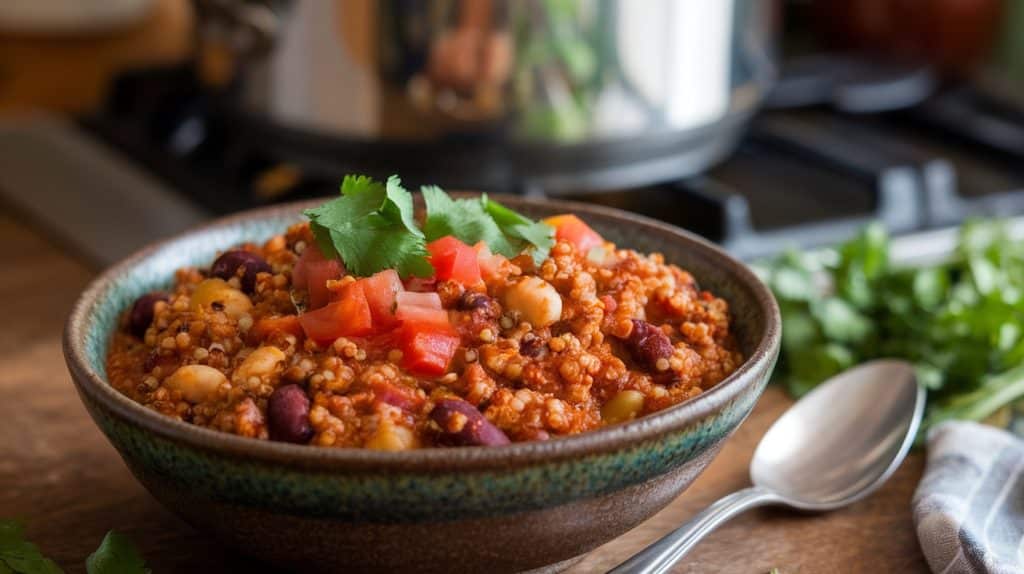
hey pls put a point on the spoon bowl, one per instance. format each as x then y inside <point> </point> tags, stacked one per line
<point>843,439</point>
<point>836,445</point>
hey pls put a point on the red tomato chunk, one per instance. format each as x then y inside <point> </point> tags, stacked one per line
<point>453,259</point>
<point>427,348</point>
<point>381,291</point>
<point>573,230</point>
<point>349,316</point>
<point>312,272</point>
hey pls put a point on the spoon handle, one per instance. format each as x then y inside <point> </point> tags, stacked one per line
<point>662,554</point>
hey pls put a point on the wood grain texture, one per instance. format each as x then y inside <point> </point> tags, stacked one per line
<point>59,473</point>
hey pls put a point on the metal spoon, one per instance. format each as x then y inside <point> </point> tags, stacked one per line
<point>836,445</point>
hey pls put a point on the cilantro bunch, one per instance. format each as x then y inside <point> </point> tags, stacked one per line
<point>960,322</point>
<point>371,227</point>
<point>115,555</point>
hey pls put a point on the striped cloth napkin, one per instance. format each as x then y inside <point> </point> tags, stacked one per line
<point>969,507</point>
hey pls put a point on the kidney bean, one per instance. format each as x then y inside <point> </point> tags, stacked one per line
<point>288,415</point>
<point>227,265</point>
<point>647,343</point>
<point>475,429</point>
<point>481,305</point>
<point>532,347</point>
<point>141,314</point>
<point>470,300</point>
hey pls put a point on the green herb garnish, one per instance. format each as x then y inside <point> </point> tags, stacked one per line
<point>481,219</point>
<point>959,322</point>
<point>536,234</point>
<point>19,555</point>
<point>116,554</point>
<point>371,227</point>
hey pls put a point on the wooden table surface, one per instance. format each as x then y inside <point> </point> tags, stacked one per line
<point>59,473</point>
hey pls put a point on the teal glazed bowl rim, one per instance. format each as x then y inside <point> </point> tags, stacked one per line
<point>90,381</point>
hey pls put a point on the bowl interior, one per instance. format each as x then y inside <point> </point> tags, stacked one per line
<point>754,312</point>
<point>154,269</point>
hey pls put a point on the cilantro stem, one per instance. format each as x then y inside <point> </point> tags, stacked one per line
<point>995,392</point>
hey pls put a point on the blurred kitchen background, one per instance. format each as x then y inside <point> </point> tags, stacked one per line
<point>755,123</point>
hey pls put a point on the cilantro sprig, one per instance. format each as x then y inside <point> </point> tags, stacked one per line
<point>371,227</point>
<point>482,219</point>
<point>115,555</point>
<point>958,321</point>
<point>19,555</point>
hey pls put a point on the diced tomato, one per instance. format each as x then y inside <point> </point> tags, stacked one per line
<point>427,348</point>
<point>422,308</point>
<point>423,315</point>
<point>267,326</point>
<point>572,229</point>
<point>490,263</point>
<point>412,299</point>
<point>420,284</point>
<point>381,290</point>
<point>312,272</point>
<point>453,259</point>
<point>349,316</point>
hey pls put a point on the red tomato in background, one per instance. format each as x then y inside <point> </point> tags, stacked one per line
<point>573,230</point>
<point>312,272</point>
<point>952,35</point>
<point>454,260</point>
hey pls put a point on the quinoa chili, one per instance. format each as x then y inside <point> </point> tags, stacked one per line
<point>278,341</point>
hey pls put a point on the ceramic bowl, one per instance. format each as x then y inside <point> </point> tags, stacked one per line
<point>527,506</point>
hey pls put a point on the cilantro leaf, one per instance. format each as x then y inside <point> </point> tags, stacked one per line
<point>536,233</point>
<point>465,219</point>
<point>371,227</point>
<point>19,555</point>
<point>840,321</point>
<point>399,205</point>
<point>472,220</point>
<point>959,321</point>
<point>116,555</point>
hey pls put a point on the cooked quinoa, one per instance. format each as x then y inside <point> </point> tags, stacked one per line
<point>634,335</point>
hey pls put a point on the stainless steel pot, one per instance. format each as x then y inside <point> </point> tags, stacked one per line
<point>579,93</point>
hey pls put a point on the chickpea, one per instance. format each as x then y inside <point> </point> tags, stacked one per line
<point>196,383</point>
<point>261,363</point>
<point>390,436</point>
<point>536,301</point>
<point>624,406</point>
<point>218,295</point>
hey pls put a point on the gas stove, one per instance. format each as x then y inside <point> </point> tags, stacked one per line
<point>799,178</point>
